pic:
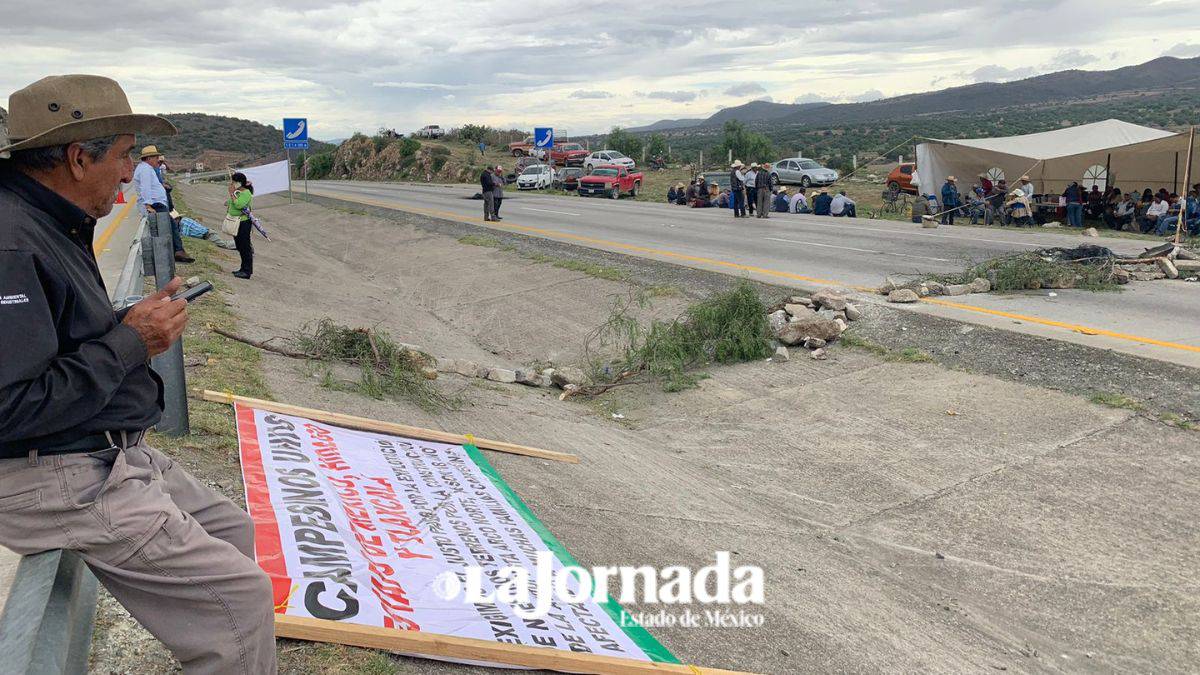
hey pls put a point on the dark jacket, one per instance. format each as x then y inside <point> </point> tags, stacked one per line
<point>1072,194</point>
<point>821,204</point>
<point>487,182</point>
<point>69,367</point>
<point>950,198</point>
<point>735,183</point>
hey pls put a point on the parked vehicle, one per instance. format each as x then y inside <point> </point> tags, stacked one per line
<point>521,148</point>
<point>563,154</point>
<point>535,177</point>
<point>721,178</point>
<point>610,181</point>
<point>431,131</point>
<point>568,178</point>
<point>798,170</point>
<point>607,158</point>
<point>900,179</point>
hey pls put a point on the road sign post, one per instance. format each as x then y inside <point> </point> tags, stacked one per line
<point>295,137</point>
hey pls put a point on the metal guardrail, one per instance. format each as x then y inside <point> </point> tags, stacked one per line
<point>46,626</point>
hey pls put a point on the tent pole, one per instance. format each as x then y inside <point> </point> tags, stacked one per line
<point>1187,179</point>
<point>1175,180</point>
<point>1107,173</point>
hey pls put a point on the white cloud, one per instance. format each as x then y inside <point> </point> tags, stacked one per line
<point>1184,50</point>
<point>675,96</point>
<point>589,93</point>
<point>745,89</point>
<point>809,98</point>
<point>868,95</point>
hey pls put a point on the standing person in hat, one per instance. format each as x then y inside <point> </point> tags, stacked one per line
<point>487,190</point>
<point>763,181</point>
<point>950,200</point>
<point>241,196</point>
<point>751,182</point>
<point>737,188</point>
<point>497,191</point>
<point>77,394</point>
<point>1026,186</point>
<point>152,195</point>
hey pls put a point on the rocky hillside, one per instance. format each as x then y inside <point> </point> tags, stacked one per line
<point>376,158</point>
<point>246,141</point>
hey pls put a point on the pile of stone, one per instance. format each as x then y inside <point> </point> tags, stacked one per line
<point>811,322</point>
<point>563,377</point>
<point>912,291</point>
<point>1167,261</point>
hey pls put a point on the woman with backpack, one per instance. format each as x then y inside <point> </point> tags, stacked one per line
<point>241,195</point>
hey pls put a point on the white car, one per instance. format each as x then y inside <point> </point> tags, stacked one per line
<point>607,157</point>
<point>535,177</point>
<point>431,131</point>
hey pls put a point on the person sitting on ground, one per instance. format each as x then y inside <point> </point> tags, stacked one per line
<point>722,200</point>
<point>799,202</point>
<point>1155,212</point>
<point>821,203</point>
<point>781,201</point>
<point>841,205</point>
<point>1095,202</point>
<point>673,193</point>
<point>1019,208</point>
<point>689,195</point>
<point>1114,214</point>
<point>985,183</point>
<point>977,206</point>
<point>714,191</point>
<point>1191,207</point>
<point>920,208</point>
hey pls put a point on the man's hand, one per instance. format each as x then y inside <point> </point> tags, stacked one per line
<point>158,320</point>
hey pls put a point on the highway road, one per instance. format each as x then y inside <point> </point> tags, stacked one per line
<point>1157,319</point>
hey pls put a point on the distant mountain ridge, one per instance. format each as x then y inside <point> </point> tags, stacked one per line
<point>1068,85</point>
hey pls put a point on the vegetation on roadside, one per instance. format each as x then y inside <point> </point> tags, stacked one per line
<point>386,369</point>
<point>904,355</point>
<point>1117,401</point>
<point>727,327</point>
<point>1033,270</point>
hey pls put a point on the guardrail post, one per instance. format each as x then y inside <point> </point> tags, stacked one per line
<point>169,364</point>
<point>46,626</point>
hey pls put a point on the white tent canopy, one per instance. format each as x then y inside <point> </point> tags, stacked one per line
<point>1105,153</point>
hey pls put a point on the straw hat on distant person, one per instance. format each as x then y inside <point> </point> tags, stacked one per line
<point>737,164</point>
<point>150,151</point>
<point>63,109</point>
<point>952,179</point>
<point>1025,178</point>
<point>783,190</point>
<point>753,165</point>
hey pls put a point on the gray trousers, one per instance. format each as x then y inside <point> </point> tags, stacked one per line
<point>764,202</point>
<point>489,205</point>
<point>177,555</point>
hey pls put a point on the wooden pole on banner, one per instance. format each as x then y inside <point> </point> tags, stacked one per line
<point>447,646</point>
<point>1187,179</point>
<point>366,424</point>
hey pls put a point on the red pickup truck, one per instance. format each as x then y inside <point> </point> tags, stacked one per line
<point>521,148</point>
<point>564,154</point>
<point>610,181</point>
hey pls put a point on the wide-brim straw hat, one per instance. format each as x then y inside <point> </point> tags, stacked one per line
<point>1024,177</point>
<point>737,164</point>
<point>952,179</point>
<point>63,109</point>
<point>150,151</point>
<point>753,165</point>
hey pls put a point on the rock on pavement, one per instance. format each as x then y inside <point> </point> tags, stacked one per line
<point>903,295</point>
<point>814,326</point>
<point>828,299</point>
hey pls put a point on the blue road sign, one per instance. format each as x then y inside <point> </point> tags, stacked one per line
<point>295,133</point>
<point>543,137</point>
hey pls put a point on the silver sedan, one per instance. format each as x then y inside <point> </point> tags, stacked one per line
<point>801,171</point>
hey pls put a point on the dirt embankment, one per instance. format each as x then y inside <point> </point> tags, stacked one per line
<point>976,524</point>
<point>378,158</point>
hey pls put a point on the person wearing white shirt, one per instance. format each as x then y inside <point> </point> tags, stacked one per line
<point>842,206</point>
<point>799,202</point>
<point>1157,210</point>
<point>1026,186</point>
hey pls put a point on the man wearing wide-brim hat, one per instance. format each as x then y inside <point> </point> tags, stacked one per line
<point>737,188</point>
<point>950,200</point>
<point>153,196</point>
<point>77,394</point>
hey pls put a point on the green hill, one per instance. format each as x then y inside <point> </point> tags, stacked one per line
<point>200,133</point>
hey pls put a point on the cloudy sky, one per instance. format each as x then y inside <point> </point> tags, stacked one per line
<point>580,67</point>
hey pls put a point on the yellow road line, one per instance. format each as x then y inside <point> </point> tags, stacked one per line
<point>98,246</point>
<point>553,234</point>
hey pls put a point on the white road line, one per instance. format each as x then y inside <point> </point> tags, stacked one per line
<point>563,213</point>
<point>860,250</point>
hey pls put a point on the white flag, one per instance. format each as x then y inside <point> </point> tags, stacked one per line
<point>268,178</point>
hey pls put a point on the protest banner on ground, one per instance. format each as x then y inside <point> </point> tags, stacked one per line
<point>359,527</point>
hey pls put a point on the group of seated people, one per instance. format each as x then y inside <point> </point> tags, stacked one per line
<point>1148,212</point>
<point>702,194</point>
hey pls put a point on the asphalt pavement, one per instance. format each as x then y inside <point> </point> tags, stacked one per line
<point>1152,319</point>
